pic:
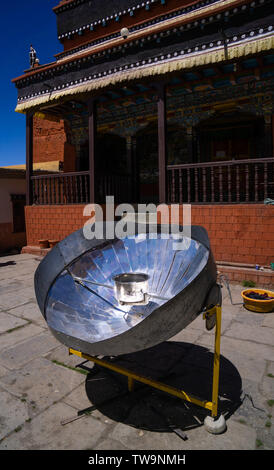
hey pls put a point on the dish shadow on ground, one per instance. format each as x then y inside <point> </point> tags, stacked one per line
<point>182,365</point>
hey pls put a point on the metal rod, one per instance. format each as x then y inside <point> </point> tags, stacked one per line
<point>225,280</point>
<point>92,282</point>
<point>152,383</point>
<point>154,296</point>
<point>79,279</point>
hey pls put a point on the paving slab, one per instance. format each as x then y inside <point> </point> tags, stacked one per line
<point>9,322</point>
<point>16,298</point>
<point>61,355</point>
<point>270,368</point>
<point>41,383</point>
<point>110,444</point>
<point>3,371</point>
<point>268,320</point>
<point>18,269</point>
<point>29,311</point>
<point>240,437</point>
<point>250,348</point>
<point>16,356</point>
<point>6,286</point>
<point>267,386</point>
<point>248,317</point>
<point>9,421</point>
<point>18,257</point>
<point>45,432</point>
<point>18,336</point>
<point>133,438</point>
<point>77,399</point>
<point>256,334</point>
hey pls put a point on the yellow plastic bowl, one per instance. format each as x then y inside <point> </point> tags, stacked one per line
<point>261,306</point>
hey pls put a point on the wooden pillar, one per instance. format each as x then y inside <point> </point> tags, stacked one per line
<point>162,142</point>
<point>129,154</point>
<point>92,127</point>
<point>272,122</point>
<point>189,141</point>
<point>268,136</point>
<point>135,171</point>
<point>29,158</point>
<point>130,188</point>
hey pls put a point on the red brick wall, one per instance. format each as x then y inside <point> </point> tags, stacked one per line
<point>50,143</point>
<point>52,222</point>
<point>238,233</point>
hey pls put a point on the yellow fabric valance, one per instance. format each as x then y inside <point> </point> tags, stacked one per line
<point>198,59</point>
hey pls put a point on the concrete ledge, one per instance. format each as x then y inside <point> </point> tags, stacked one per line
<point>238,274</point>
<point>35,250</point>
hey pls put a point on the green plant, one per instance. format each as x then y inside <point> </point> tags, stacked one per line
<point>270,402</point>
<point>81,371</point>
<point>248,283</point>
<point>18,327</point>
<point>259,443</point>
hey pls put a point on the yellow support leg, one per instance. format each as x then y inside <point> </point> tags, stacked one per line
<point>216,365</point>
<point>132,377</point>
<point>215,424</point>
<point>130,384</point>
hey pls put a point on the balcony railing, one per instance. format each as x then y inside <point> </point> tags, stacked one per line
<point>73,188</point>
<point>118,186</point>
<point>61,188</point>
<point>235,181</point>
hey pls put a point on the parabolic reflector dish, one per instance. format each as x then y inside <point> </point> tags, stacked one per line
<point>112,297</point>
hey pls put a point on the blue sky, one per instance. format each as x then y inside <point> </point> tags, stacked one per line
<point>22,23</point>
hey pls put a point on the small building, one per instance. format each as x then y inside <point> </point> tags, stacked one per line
<point>12,203</point>
<point>163,101</point>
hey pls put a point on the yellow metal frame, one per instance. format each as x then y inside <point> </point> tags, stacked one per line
<point>209,405</point>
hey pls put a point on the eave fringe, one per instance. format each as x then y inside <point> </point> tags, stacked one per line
<point>200,59</point>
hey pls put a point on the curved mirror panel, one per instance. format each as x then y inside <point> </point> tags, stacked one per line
<point>89,309</point>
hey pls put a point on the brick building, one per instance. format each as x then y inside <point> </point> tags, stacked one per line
<point>158,101</point>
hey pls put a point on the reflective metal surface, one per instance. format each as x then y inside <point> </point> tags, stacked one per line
<point>91,317</point>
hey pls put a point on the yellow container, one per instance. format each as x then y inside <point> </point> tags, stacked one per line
<point>261,306</point>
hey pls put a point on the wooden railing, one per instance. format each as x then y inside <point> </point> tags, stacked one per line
<point>73,188</point>
<point>61,188</point>
<point>235,181</point>
<point>118,186</point>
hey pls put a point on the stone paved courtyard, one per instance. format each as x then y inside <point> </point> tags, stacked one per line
<point>40,387</point>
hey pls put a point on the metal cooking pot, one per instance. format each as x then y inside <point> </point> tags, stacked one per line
<point>131,288</point>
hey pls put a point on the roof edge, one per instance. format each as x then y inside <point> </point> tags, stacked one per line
<point>221,6</point>
<point>204,58</point>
